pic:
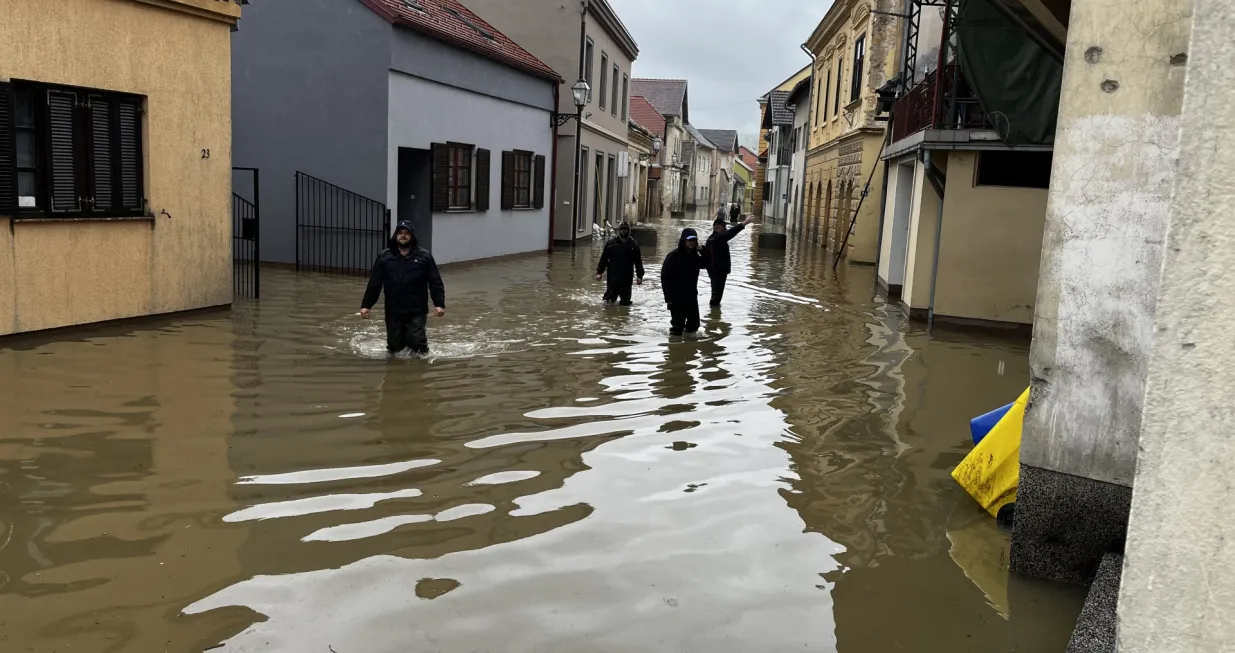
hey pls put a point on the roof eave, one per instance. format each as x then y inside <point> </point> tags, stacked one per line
<point>613,24</point>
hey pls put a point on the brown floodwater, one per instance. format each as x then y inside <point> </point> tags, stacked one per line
<point>557,476</point>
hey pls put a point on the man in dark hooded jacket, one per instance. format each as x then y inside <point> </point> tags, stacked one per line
<point>624,262</point>
<point>717,255</point>
<point>679,280</point>
<point>408,275</point>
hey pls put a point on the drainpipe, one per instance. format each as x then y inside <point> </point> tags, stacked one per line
<point>557,88</point>
<point>810,104</point>
<point>939,185</point>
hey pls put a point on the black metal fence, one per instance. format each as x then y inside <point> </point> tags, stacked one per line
<point>337,231</point>
<point>246,241</point>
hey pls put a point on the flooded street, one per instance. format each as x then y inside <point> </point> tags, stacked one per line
<point>559,476</point>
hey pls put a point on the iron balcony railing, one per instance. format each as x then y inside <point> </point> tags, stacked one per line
<point>938,102</point>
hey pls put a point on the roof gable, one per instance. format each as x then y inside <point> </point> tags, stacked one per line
<point>667,95</point>
<point>700,138</point>
<point>776,114</point>
<point>642,112</point>
<point>451,22</point>
<point>725,139</point>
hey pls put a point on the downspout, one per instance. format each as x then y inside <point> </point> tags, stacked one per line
<point>574,201</point>
<point>810,104</point>
<point>557,88</point>
<point>939,183</point>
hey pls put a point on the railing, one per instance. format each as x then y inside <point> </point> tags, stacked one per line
<point>246,241</point>
<point>938,104</point>
<point>337,231</point>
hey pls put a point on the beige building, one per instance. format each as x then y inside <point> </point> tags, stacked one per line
<point>115,159</point>
<point>762,181</point>
<point>855,53</point>
<point>551,31</point>
<point>642,150</point>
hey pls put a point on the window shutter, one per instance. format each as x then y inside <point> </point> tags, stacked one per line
<point>60,151</point>
<point>102,166</point>
<point>129,138</point>
<point>441,177</point>
<point>8,148</point>
<point>482,180</point>
<point>508,181</point>
<point>538,182</point>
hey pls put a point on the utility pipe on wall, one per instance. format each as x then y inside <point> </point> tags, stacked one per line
<point>940,186</point>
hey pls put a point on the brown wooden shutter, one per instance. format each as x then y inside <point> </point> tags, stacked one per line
<point>61,151</point>
<point>482,180</point>
<point>508,181</point>
<point>441,177</point>
<point>129,169</point>
<point>538,182</point>
<point>102,161</point>
<point>8,149</point>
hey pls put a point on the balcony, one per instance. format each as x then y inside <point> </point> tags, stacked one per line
<point>935,103</point>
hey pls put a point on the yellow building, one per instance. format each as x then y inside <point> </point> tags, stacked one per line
<point>115,159</point>
<point>761,169</point>
<point>855,53</point>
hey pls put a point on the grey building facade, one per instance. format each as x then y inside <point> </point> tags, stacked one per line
<point>551,30</point>
<point>372,96</point>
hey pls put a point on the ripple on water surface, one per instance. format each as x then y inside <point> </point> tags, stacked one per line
<point>557,475</point>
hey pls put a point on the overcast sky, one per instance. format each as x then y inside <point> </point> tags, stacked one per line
<point>731,51</point>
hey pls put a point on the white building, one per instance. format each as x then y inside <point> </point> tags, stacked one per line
<point>778,120</point>
<point>799,103</point>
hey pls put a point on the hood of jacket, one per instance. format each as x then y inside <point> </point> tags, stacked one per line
<point>394,244</point>
<point>687,232</point>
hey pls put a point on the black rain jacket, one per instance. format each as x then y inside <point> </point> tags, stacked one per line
<point>679,275</point>
<point>622,259</point>
<point>408,281</point>
<point>717,248</point>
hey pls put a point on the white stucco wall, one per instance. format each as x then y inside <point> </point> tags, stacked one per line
<point>424,112</point>
<point>1176,593</point>
<point>797,170</point>
<point>1115,153</point>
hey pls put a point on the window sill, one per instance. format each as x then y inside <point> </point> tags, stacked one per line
<point>466,210</point>
<point>853,104</point>
<point>81,218</point>
<point>525,208</point>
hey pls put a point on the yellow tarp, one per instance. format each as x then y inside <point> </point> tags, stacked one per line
<point>989,473</point>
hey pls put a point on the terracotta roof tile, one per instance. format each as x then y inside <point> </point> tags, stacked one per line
<point>642,112</point>
<point>449,21</point>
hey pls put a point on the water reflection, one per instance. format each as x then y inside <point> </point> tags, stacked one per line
<point>558,476</point>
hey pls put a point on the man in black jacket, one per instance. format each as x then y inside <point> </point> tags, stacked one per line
<point>679,280</point>
<point>408,275</point>
<point>719,265</point>
<point>624,261</point>
<point>735,212</point>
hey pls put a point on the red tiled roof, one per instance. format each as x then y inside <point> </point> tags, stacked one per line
<point>642,112</point>
<point>447,20</point>
<point>748,157</point>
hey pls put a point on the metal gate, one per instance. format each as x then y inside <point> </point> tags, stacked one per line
<point>337,231</point>
<point>246,240</point>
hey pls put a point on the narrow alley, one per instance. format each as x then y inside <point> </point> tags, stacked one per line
<point>559,470</point>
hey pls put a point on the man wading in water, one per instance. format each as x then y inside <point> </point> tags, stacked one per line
<point>408,275</point>
<point>679,279</point>
<point>717,256</point>
<point>624,262</point>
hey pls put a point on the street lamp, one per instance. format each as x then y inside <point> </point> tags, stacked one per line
<point>581,90</point>
<point>656,145</point>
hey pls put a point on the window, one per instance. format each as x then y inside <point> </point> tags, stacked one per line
<point>625,95</point>
<point>612,200</point>
<point>840,76</point>
<point>587,70</point>
<point>459,182</point>
<point>604,80</point>
<point>74,151</point>
<point>859,58</point>
<point>818,91</point>
<point>1013,169</point>
<point>523,180</point>
<point>827,92</point>
<point>614,95</point>
<point>597,187</point>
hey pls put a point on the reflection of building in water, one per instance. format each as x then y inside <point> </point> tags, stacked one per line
<point>114,472</point>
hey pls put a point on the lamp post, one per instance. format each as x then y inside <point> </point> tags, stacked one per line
<point>580,91</point>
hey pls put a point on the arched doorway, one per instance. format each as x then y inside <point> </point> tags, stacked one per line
<point>818,212</point>
<point>827,218</point>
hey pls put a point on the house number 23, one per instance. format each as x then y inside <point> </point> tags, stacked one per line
<point>205,154</point>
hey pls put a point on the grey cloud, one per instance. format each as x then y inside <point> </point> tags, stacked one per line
<point>732,52</point>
